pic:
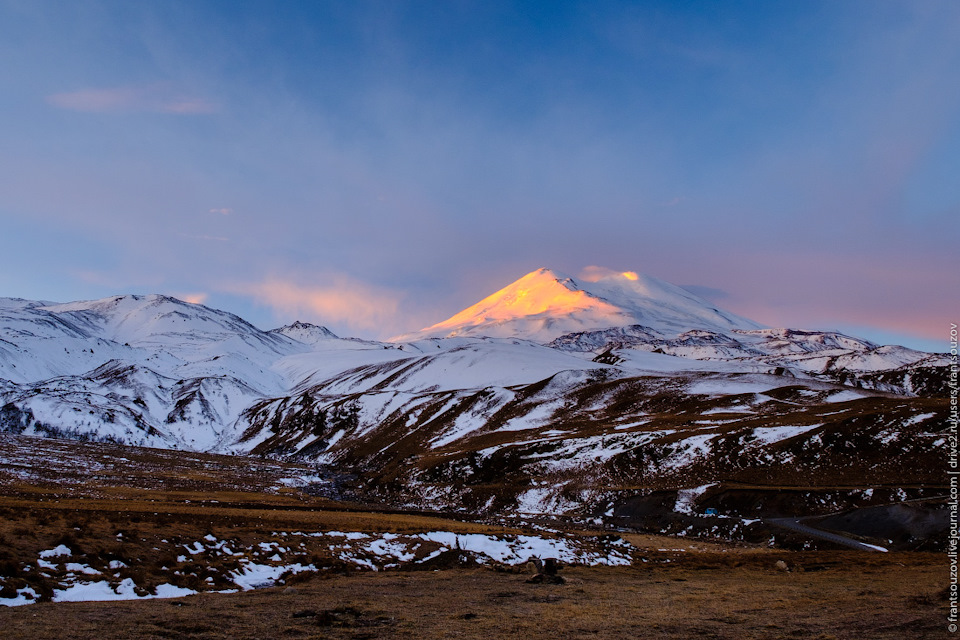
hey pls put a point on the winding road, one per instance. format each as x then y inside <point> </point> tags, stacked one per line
<point>795,524</point>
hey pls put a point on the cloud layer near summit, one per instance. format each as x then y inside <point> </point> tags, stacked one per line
<point>397,163</point>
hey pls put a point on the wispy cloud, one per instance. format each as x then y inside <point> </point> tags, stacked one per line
<point>156,98</point>
<point>593,273</point>
<point>339,300</point>
<point>222,211</point>
<point>193,298</point>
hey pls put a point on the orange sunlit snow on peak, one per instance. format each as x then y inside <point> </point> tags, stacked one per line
<point>540,292</point>
<point>545,305</point>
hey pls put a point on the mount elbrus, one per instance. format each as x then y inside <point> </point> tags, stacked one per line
<point>553,395</point>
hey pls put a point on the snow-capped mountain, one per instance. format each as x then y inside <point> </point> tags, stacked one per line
<point>305,332</point>
<point>41,340</point>
<point>549,384</point>
<point>620,318</point>
<point>544,305</point>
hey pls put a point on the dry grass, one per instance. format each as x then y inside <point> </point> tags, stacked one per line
<point>319,516</point>
<point>891,598</point>
<point>150,535</point>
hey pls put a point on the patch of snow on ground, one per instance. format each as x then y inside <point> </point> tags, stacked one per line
<point>464,424</point>
<point>351,535</point>
<point>126,590</point>
<point>887,436</point>
<point>24,596</point>
<point>687,498</point>
<point>769,435</point>
<point>253,576</point>
<point>689,450</point>
<point>96,591</point>
<point>916,419</point>
<point>76,567</point>
<point>534,418</point>
<point>172,591</point>
<point>301,481</point>
<point>598,448</point>
<point>721,387</point>
<point>845,396</point>
<point>519,549</point>
<point>62,550</point>
<point>389,548</point>
<point>532,500</point>
<point>631,424</point>
<point>715,410</point>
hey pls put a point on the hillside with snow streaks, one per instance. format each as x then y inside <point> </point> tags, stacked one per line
<point>550,391</point>
<point>584,439</point>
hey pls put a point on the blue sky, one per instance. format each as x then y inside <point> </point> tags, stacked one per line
<point>378,166</point>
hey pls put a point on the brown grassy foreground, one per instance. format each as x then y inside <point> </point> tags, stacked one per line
<point>149,531</point>
<point>143,506</point>
<point>839,595</point>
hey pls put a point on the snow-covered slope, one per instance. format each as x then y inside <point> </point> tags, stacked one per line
<point>176,338</point>
<point>160,320</point>
<point>141,369</point>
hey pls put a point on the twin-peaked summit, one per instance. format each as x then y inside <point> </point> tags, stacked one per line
<point>545,304</point>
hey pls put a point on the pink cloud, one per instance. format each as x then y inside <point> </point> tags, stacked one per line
<point>193,298</point>
<point>803,290</point>
<point>158,98</point>
<point>340,299</point>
